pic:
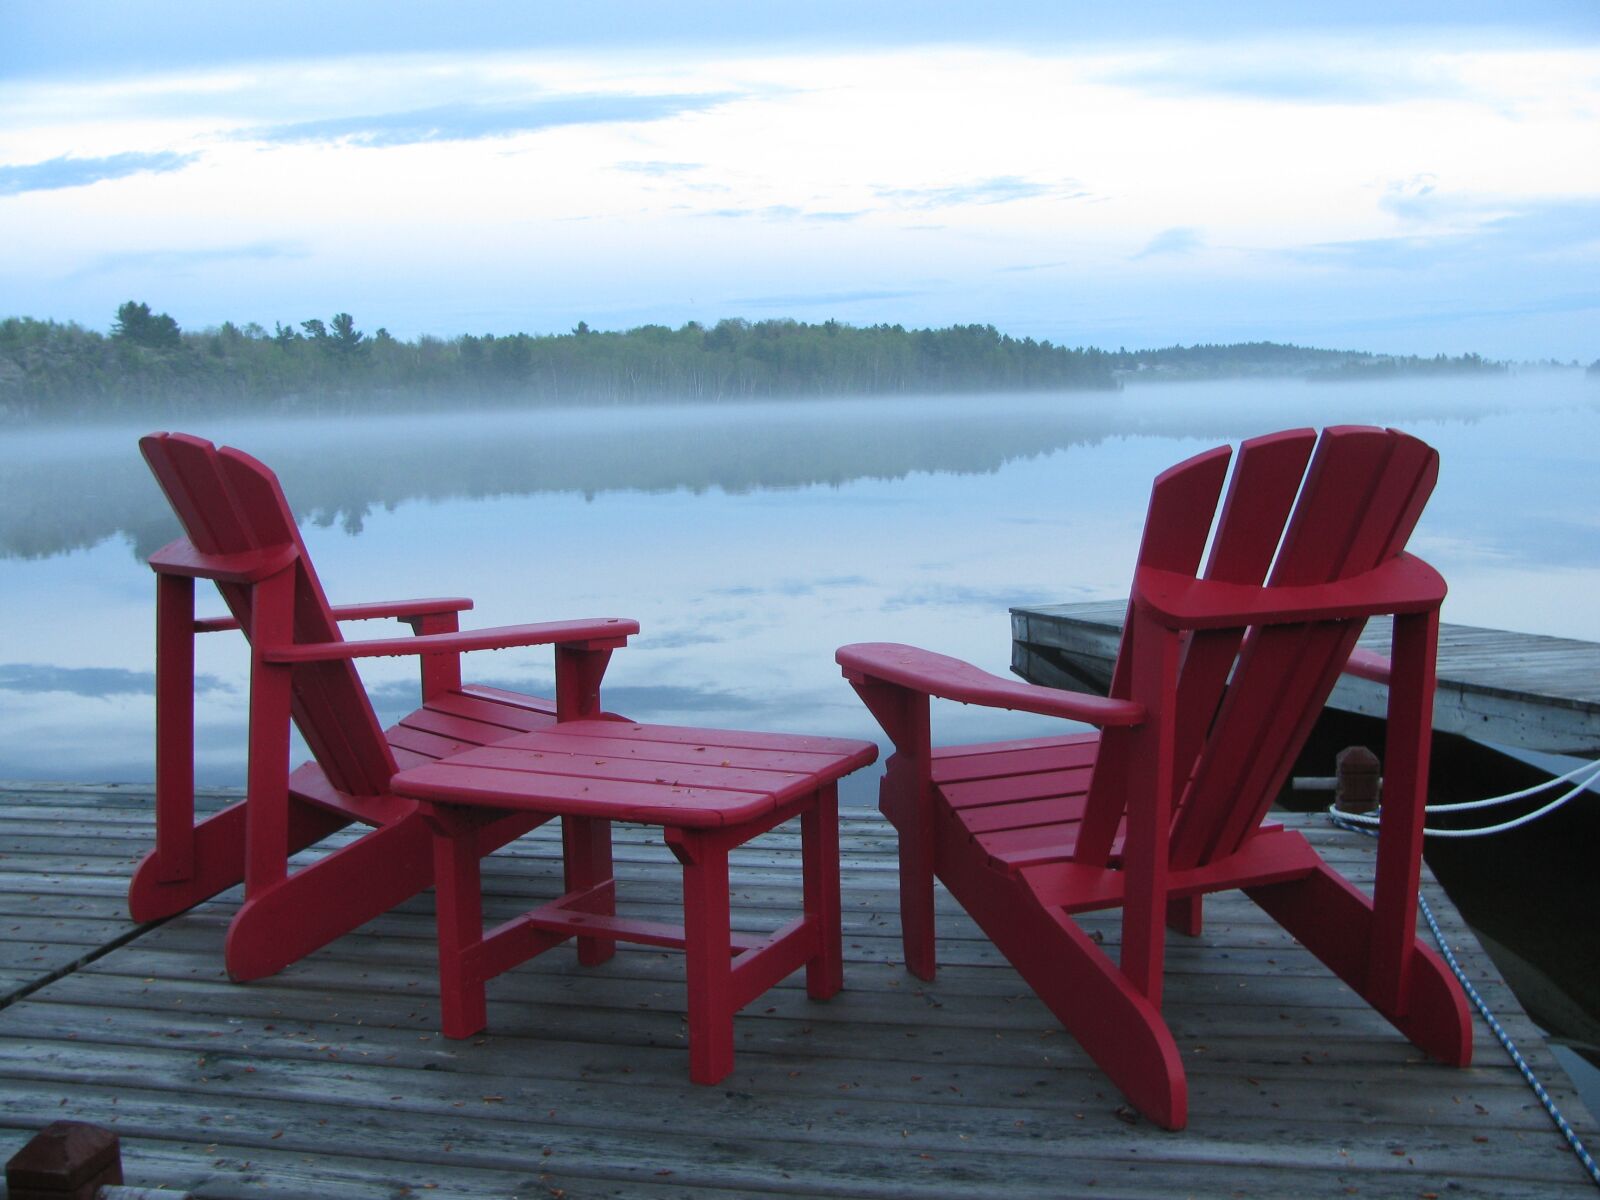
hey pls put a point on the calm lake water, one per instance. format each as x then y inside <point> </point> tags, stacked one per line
<point>749,540</point>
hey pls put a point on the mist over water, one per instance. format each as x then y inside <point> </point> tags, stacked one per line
<point>749,540</point>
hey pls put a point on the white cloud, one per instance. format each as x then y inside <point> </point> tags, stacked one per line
<point>1180,239</point>
<point>517,188</point>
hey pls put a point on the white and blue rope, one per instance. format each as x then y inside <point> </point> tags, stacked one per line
<point>1550,1106</point>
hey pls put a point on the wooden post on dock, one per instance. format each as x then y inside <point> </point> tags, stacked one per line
<point>1357,784</point>
<point>66,1160</point>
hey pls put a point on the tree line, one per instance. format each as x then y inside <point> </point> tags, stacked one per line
<point>1244,360</point>
<point>53,370</point>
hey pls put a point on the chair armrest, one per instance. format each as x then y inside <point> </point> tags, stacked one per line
<point>1404,584</point>
<point>951,679</point>
<point>596,633</point>
<point>250,566</point>
<point>400,610</point>
<point>1367,664</point>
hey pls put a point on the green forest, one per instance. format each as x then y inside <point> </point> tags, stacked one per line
<point>53,370</point>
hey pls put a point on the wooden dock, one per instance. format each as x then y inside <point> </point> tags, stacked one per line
<point>1514,689</point>
<point>331,1079</point>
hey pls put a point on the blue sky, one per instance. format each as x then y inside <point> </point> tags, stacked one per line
<point>1407,177</point>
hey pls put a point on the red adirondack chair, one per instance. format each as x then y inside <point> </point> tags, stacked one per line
<point>1217,684</point>
<point>242,536</point>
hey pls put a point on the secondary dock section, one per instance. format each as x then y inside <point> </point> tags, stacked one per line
<point>331,1079</point>
<point>1513,689</point>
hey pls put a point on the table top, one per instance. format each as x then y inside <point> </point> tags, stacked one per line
<point>624,771</point>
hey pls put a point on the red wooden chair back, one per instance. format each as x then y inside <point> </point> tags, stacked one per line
<point>1298,511</point>
<point>229,503</point>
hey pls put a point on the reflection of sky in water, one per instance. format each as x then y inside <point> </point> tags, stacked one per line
<point>744,591</point>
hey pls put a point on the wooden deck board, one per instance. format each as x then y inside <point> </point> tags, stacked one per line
<point>1516,689</point>
<point>331,1078</point>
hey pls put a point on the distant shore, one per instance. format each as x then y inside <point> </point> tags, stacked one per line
<point>53,371</point>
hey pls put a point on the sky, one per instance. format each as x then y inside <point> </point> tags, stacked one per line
<point>1407,178</point>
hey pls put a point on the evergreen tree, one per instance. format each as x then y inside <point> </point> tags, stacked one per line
<point>345,339</point>
<point>135,323</point>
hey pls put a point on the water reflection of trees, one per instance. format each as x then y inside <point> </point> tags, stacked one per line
<point>336,472</point>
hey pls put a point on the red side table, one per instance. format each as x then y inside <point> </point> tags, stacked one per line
<point>710,790</point>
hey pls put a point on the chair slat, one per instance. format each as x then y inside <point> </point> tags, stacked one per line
<point>1394,504</point>
<point>1389,514</point>
<point>1177,526</point>
<point>1023,814</point>
<point>953,764</point>
<point>1266,479</point>
<point>228,503</point>
<point>1026,785</point>
<point>1359,486</point>
<point>333,712</point>
<point>185,468</point>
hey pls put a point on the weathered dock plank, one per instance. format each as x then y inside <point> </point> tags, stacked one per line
<point>331,1078</point>
<point>1515,689</point>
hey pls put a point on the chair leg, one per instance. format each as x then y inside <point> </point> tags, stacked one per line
<point>1185,915</point>
<point>707,956</point>
<point>325,899</point>
<point>916,907</point>
<point>902,799</point>
<point>458,905</point>
<point>218,855</point>
<point>175,836</point>
<point>1119,1028</point>
<point>586,857</point>
<point>1088,993</point>
<point>1335,921</point>
<point>819,840</point>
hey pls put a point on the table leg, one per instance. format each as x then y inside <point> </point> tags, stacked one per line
<point>586,855</point>
<point>819,841</point>
<point>707,954</point>
<point>458,905</point>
